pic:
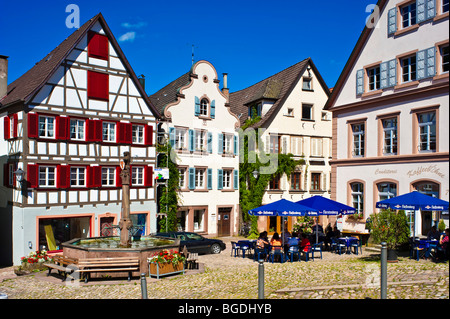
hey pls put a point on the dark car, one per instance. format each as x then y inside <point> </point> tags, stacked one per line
<point>196,243</point>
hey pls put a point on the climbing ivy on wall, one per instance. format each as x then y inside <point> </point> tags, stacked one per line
<point>251,189</point>
<point>171,197</point>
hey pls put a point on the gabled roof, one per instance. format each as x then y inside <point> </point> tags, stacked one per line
<point>168,94</point>
<point>276,88</point>
<point>25,87</point>
<point>352,59</point>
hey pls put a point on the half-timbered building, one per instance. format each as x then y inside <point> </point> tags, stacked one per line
<point>67,123</point>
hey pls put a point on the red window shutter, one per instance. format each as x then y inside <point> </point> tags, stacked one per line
<point>118,178</point>
<point>148,175</point>
<point>62,128</point>
<point>16,124</point>
<point>97,176</point>
<point>6,175</point>
<point>93,130</point>
<point>124,133</point>
<point>89,179</point>
<point>32,175</point>
<point>98,86</point>
<point>98,46</point>
<point>33,128</point>
<point>63,176</point>
<point>148,135</point>
<point>98,131</point>
<point>6,128</point>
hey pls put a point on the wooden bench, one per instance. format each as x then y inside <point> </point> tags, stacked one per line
<point>60,263</point>
<point>115,264</point>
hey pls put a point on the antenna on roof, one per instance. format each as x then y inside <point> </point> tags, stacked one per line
<point>193,53</point>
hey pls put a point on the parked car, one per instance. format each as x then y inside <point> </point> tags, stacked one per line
<point>196,243</point>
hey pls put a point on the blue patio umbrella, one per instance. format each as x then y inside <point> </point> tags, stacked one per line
<point>283,207</point>
<point>414,201</point>
<point>327,206</point>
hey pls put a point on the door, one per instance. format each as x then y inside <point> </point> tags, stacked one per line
<point>426,222</point>
<point>223,222</point>
<point>105,226</point>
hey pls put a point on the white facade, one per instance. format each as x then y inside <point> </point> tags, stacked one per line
<point>69,144</point>
<point>203,134</point>
<point>391,129</point>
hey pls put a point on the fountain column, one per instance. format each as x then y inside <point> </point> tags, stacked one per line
<point>125,223</point>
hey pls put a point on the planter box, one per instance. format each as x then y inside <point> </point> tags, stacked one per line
<point>158,270</point>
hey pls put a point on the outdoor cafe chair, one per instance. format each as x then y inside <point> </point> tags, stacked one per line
<point>276,251</point>
<point>316,248</point>
<point>234,248</point>
<point>245,247</point>
<point>259,252</point>
<point>307,252</point>
<point>340,244</point>
<point>293,250</point>
<point>333,244</point>
<point>355,244</point>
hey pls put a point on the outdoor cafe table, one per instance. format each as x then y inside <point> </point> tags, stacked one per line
<point>245,243</point>
<point>426,245</point>
<point>348,241</point>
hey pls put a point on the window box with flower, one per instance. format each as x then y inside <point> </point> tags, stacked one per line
<point>166,262</point>
<point>34,262</point>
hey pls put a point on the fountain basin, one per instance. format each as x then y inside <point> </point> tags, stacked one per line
<point>108,247</point>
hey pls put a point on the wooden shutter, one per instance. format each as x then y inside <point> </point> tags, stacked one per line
<point>430,7</point>
<point>360,82</point>
<point>191,177</point>
<point>236,179</point>
<point>213,109</point>
<point>16,124</point>
<point>209,144</point>
<point>98,46</point>
<point>148,176</point>
<point>6,128</point>
<point>172,136</point>
<point>33,127</point>
<point>220,179</point>
<point>118,178</point>
<point>148,135</point>
<point>421,59</point>
<point>191,141</point>
<point>94,130</point>
<point>235,145</point>
<point>392,72</point>
<point>94,176</point>
<point>124,133</point>
<point>209,178</point>
<point>392,21</point>
<point>220,144</point>
<point>197,106</point>
<point>33,175</point>
<point>430,63</point>
<point>98,86</point>
<point>63,176</point>
<point>420,11</point>
<point>62,127</point>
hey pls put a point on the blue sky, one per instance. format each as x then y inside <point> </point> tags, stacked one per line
<point>250,40</point>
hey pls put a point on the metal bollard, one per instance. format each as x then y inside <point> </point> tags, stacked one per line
<point>261,279</point>
<point>383,285</point>
<point>143,287</point>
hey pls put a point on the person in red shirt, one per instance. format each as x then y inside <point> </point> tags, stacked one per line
<point>305,245</point>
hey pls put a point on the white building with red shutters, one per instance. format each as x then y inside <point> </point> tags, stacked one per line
<point>67,123</point>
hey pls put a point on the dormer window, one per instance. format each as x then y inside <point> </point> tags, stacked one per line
<point>255,110</point>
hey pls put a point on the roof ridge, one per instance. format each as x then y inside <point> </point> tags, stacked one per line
<point>267,78</point>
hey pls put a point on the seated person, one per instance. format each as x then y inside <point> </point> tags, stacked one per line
<point>443,243</point>
<point>304,243</point>
<point>276,240</point>
<point>433,234</point>
<point>293,241</point>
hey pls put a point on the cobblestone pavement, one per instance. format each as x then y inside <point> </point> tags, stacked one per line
<point>333,277</point>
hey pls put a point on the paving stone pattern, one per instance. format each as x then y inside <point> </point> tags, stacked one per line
<point>223,277</point>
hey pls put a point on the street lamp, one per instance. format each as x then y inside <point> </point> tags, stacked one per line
<point>19,175</point>
<point>255,174</point>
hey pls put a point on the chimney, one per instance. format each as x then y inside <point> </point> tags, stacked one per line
<point>225,84</point>
<point>3,75</point>
<point>141,79</point>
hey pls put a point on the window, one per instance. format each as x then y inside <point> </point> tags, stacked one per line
<point>408,15</point>
<point>307,112</point>
<point>290,112</point>
<point>137,176</point>
<point>137,134</point>
<point>357,192</point>
<point>445,6</point>
<point>200,178</point>
<point>109,132</point>
<point>46,126</point>
<point>180,138</point>
<point>444,58</point>
<point>374,78</point>
<point>204,107</point>
<point>200,141</point>
<point>316,147</point>
<point>255,110</point>
<point>296,181</point>
<point>390,136</point>
<point>227,178</point>
<point>315,181</point>
<point>307,84</point>
<point>428,188</point>
<point>182,180</point>
<point>47,176</point>
<point>77,176</point>
<point>108,176</point>
<point>358,139</point>
<point>77,129</point>
<point>98,45</point>
<point>427,131</point>
<point>408,69</point>
<point>227,144</point>
<point>386,191</point>
<point>274,146</point>
<point>274,183</point>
